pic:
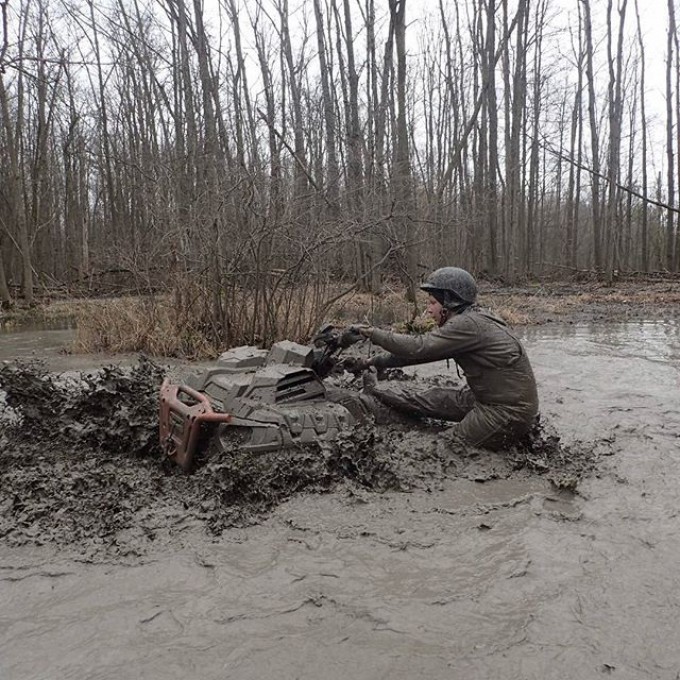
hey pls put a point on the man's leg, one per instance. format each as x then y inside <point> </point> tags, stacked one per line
<point>437,402</point>
<point>364,407</point>
<point>493,427</point>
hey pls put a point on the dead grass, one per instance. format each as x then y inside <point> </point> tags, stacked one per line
<point>390,307</point>
<point>156,327</point>
<point>535,306</point>
<point>127,325</point>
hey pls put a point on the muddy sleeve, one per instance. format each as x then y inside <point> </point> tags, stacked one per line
<point>456,336</point>
<point>387,360</point>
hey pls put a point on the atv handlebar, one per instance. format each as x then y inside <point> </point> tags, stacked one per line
<point>330,341</point>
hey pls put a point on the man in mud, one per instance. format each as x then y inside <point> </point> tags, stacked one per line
<point>499,403</point>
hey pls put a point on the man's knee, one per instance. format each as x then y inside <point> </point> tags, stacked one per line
<point>487,429</point>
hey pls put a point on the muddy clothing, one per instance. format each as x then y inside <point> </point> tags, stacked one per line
<point>500,400</point>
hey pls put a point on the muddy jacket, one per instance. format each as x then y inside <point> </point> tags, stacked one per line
<point>493,360</point>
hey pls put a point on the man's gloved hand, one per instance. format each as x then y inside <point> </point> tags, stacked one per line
<point>356,365</point>
<point>354,334</point>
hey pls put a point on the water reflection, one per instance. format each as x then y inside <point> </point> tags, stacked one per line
<point>56,324</point>
<point>34,343</point>
<point>652,340</point>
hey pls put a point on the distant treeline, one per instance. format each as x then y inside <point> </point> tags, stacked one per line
<point>264,144</point>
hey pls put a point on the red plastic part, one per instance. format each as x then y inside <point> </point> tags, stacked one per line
<point>180,446</point>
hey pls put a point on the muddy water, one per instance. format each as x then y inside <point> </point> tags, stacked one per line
<point>33,342</point>
<point>50,343</point>
<point>506,580</point>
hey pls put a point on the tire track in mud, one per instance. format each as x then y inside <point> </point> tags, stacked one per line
<point>81,465</point>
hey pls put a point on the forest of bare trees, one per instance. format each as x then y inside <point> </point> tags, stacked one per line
<point>271,142</point>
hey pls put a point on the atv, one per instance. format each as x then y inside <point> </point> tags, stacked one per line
<point>260,399</point>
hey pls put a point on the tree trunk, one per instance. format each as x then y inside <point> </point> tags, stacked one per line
<point>402,181</point>
<point>13,191</point>
<point>670,221</point>
<point>301,177</point>
<point>644,228</point>
<point>612,229</point>
<point>490,85</point>
<point>594,137</point>
<point>332,182</point>
<point>515,199</point>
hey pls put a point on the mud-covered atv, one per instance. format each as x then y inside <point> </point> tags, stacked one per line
<point>260,399</point>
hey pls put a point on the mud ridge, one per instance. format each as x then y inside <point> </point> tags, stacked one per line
<point>80,463</point>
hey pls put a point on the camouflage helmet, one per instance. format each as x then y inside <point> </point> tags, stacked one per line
<point>451,286</point>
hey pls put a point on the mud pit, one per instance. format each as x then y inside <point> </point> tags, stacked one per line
<point>82,465</point>
<point>505,577</point>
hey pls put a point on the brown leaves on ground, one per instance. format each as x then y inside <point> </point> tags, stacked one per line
<point>585,301</point>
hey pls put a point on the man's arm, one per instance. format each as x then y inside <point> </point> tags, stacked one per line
<point>457,336</point>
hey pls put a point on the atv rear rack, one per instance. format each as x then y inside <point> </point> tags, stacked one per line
<point>181,421</point>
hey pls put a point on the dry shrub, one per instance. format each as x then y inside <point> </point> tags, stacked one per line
<point>389,307</point>
<point>513,317</point>
<point>150,325</point>
<point>514,309</point>
<point>200,322</point>
<point>53,314</point>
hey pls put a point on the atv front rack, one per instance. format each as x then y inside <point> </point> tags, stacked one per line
<point>183,413</point>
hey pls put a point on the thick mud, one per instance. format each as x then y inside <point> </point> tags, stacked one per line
<point>426,565</point>
<point>82,465</point>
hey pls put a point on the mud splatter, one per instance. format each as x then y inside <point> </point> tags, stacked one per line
<point>81,464</point>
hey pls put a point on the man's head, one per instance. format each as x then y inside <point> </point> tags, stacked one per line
<point>452,288</point>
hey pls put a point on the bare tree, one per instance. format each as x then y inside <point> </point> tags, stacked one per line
<point>366,249</point>
<point>76,208</point>
<point>670,151</point>
<point>674,235</point>
<point>4,37</point>
<point>402,180</point>
<point>147,143</point>
<point>594,135</point>
<point>534,232</point>
<point>14,189</point>
<point>294,74</point>
<point>613,217</point>
<point>490,132</point>
<point>575,152</point>
<point>644,227</point>
<point>516,91</point>
<point>333,172</point>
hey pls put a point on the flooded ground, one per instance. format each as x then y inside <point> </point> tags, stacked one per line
<point>475,576</point>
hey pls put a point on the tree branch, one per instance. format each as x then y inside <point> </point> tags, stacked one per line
<point>548,147</point>
<point>3,40</point>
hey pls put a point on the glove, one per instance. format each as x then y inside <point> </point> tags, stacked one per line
<point>356,365</point>
<point>354,334</point>
<point>324,335</point>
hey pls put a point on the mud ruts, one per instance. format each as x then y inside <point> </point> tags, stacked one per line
<point>81,465</point>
